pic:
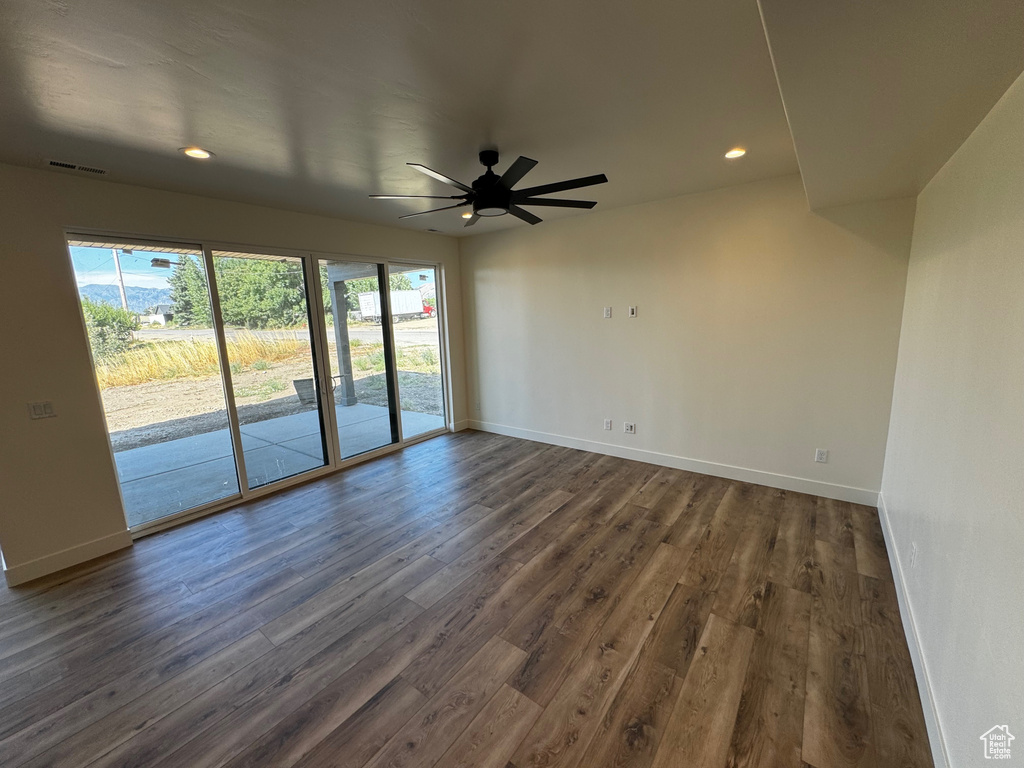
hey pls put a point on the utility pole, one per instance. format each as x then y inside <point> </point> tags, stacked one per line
<point>120,279</point>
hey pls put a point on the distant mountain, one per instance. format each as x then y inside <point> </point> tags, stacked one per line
<point>139,299</point>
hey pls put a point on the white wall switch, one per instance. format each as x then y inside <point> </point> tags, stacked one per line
<point>632,311</point>
<point>607,423</point>
<point>629,428</point>
<point>607,312</point>
<point>41,410</point>
<point>821,455</point>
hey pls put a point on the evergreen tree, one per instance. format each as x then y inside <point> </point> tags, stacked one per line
<point>190,294</point>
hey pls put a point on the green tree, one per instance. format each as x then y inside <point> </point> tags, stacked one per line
<point>257,293</point>
<point>366,284</point>
<point>261,293</point>
<point>190,294</point>
<point>325,290</point>
<point>110,328</point>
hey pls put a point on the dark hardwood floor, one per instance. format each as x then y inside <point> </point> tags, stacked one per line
<point>475,600</point>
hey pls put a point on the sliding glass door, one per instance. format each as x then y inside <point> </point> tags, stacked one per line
<point>149,321</point>
<point>417,348</point>
<point>223,372</point>
<point>264,307</point>
<point>359,352</point>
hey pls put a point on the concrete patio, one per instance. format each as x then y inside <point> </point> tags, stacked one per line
<point>161,479</point>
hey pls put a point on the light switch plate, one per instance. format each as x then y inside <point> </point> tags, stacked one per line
<point>41,410</point>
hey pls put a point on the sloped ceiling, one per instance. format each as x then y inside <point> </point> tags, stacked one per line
<point>880,94</point>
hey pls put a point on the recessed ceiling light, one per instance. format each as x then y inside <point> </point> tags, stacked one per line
<point>467,215</point>
<point>197,152</point>
<point>732,154</point>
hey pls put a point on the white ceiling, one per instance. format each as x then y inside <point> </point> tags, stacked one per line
<point>881,93</point>
<point>313,105</point>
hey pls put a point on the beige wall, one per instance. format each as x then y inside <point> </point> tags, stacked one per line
<point>954,470</point>
<point>59,501</point>
<point>764,331</point>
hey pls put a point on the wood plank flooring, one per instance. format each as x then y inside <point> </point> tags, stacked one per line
<point>475,600</point>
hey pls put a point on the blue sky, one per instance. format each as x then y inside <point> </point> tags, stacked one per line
<point>95,266</point>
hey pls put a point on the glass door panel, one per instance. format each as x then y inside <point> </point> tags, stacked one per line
<point>417,348</point>
<point>264,307</point>
<point>359,354</point>
<point>148,318</point>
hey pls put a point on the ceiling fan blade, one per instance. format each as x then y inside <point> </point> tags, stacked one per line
<point>433,210</point>
<point>472,220</point>
<point>562,186</point>
<point>526,216</point>
<point>553,202</point>
<point>440,177</point>
<point>515,172</point>
<point>416,197</point>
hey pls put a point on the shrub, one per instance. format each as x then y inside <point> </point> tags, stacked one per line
<point>110,328</point>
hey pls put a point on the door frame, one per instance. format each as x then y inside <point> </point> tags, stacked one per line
<point>310,261</point>
<point>442,345</point>
<point>312,325</point>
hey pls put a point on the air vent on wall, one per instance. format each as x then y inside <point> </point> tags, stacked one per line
<point>64,166</point>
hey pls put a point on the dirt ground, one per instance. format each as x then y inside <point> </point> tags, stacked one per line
<point>167,410</point>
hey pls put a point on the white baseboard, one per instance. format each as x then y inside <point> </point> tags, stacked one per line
<point>58,561</point>
<point>458,426</point>
<point>931,713</point>
<point>786,482</point>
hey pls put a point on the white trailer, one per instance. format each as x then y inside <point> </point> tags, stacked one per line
<point>405,305</point>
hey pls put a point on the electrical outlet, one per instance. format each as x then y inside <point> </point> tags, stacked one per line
<point>607,423</point>
<point>41,410</point>
<point>607,312</point>
<point>821,455</point>
<point>629,428</point>
<point>632,311</point>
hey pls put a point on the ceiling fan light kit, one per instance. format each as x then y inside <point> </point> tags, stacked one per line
<point>492,195</point>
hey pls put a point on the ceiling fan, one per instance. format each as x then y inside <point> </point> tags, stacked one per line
<point>492,195</point>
